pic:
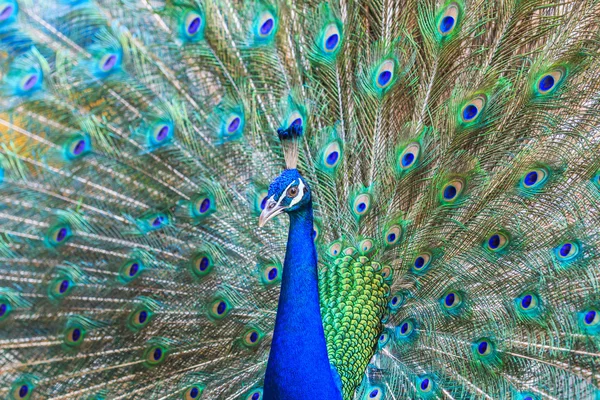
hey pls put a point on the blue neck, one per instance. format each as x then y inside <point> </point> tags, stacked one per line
<point>298,366</point>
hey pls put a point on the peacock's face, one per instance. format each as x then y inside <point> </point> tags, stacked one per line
<point>288,193</point>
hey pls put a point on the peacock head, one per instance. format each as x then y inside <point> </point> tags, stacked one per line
<point>288,193</point>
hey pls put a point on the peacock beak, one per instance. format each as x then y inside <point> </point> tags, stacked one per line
<point>271,210</point>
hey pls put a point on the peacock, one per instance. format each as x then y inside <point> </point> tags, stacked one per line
<point>437,161</point>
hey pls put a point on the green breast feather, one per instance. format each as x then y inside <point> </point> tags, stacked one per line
<point>353,291</point>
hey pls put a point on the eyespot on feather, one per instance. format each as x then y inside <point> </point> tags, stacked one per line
<point>497,241</point>
<point>58,235</point>
<point>331,39</point>
<point>361,204</point>
<point>384,74</point>
<point>549,81</point>
<point>409,157</point>
<point>472,110</point>
<point>452,191</point>
<point>219,308</point>
<point>448,20</point>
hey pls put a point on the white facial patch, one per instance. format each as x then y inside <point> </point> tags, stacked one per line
<point>300,194</point>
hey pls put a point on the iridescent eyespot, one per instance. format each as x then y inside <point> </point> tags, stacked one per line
<point>108,62</point>
<point>527,301</point>
<point>422,262</point>
<point>140,317</point>
<point>265,25</point>
<point>361,204</point>
<point>425,384</point>
<point>567,251</point>
<point>74,336</point>
<point>5,309</point>
<point>365,246</point>
<point>448,20</point>
<point>193,392</point>
<point>405,328</point>
<point>155,354</point>
<point>396,301</point>
<point>549,81</point>
<point>58,235</point>
<point>591,317</point>
<point>452,190</point>
<point>130,270</point>
<point>384,338</point>
<point>332,155</point>
<point>392,235</point>
<point>528,396</point>
<point>233,125</point>
<point>330,39</point>
<point>484,347</point>
<point>496,241</point>
<point>252,337</point>
<point>202,264</point>
<point>373,393</point>
<point>335,249</point>
<point>535,178</point>
<point>408,158</point>
<point>77,147</point>
<point>255,394</point>
<point>60,287</point>
<point>384,75</point>
<point>193,25</point>
<point>472,110</point>
<point>160,133</point>
<point>157,221</point>
<point>452,300</point>
<point>219,308</point>
<point>22,389</point>
<point>270,274</point>
<point>8,10</point>
<point>22,392</point>
<point>31,82</point>
<point>202,206</point>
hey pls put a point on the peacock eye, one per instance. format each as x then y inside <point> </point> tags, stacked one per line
<point>448,19</point>
<point>155,355</point>
<point>252,337</point>
<point>567,251</point>
<point>547,82</point>
<point>472,110</point>
<point>483,347</point>
<point>22,390</point>
<point>255,394</point>
<point>108,62</point>
<point>497,242</point>
<point>6,11</point>
<point>194,392</point>
<point>374,393</point>
<point>384,75</point>
<point>425,384</point>
<point>535,178</point>
<point>74,336</point>
<point>292,191</point>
